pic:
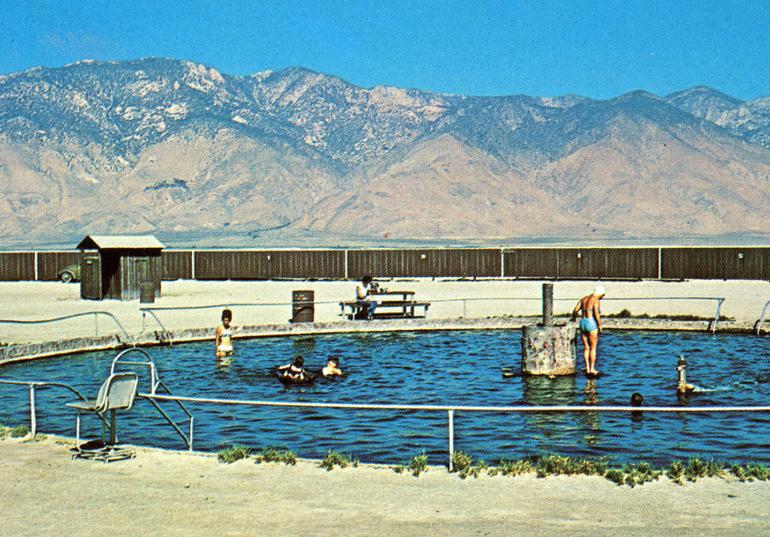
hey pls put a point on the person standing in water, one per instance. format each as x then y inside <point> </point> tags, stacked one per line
<point>590,326</point>
<point>223,338</point>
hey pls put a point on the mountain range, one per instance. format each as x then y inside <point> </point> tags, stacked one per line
<point>177,148</point>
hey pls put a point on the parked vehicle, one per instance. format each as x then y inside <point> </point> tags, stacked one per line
<point>70,273</point>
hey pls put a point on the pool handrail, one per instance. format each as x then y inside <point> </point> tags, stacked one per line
<point>451,409</point>
<point>155,383</point>
<point>96,314</point>
<point>32,385</point>
<point>153,398</point>
<point>758,324</point>
<point>167,334</point>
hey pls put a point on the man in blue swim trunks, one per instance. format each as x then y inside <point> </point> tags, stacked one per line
<point>590,326</point>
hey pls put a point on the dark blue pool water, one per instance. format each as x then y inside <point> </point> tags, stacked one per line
<point>448,368</point>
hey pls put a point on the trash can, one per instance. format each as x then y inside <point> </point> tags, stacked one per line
<point>302,306</point>
<point>147,293</point>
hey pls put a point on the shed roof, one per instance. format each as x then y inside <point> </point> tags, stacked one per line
<point>113,242</point>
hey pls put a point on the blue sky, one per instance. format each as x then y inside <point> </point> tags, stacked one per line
<point>594,48</point>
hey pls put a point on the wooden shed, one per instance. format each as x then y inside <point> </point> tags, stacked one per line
<point>120,266</point>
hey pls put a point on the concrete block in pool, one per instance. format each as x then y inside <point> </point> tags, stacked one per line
<point>548,350</point>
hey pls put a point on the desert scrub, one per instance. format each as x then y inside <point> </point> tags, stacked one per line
<point>39,437</point>
<point>232,454</point>
<point>637,474</point>
<point>333,459</point>
<point>418,464</point>
<point>284,456</point>
<point>750,472</point>
<point>464,465</point>
<point>19,431</point>
<point>514,468</point>
<point>560,465</point>
<point>675,472</point>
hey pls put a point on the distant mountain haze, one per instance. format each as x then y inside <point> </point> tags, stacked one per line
<point>167,146</point>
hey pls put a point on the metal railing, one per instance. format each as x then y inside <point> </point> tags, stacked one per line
<point>155,397</point>
<point>758,324</point>
<point>166,334</point>
<point>32,385</point>
<point>450,410</point>
<point>712,322</point>
<point>155,383</point>
<point>95,314</point>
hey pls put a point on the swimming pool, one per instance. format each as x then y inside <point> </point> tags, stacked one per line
<point>436,368</point>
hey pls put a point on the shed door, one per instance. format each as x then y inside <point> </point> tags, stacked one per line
<point>137,273</point>
<point>91,276</point>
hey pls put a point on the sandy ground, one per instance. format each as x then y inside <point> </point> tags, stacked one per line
<point>171,493</point>
<point>450,299</point>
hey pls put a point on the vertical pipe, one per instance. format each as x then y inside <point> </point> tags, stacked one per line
<point>37,273</point>
<point>32,412</point>
<point>660,268</point>
<point>113,432</point>
<point>502,263</point>
<point>547,304</point>
<point>346,264</point>
<point>451,415</point>
<point>192,264</point>
<point>191,432</point>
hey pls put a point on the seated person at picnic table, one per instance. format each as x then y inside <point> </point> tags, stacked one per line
<point>223,337</point>
<point>294,372</point>
<point>332,367</point>
<point>363,291</point>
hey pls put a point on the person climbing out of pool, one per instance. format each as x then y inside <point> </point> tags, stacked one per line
<point>363,293</point>
<point>590,326</point>
<point>223,337</point>
<point>332,367</point>
<point>294,372</point>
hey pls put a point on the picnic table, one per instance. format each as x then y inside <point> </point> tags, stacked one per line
<point>401,308</point>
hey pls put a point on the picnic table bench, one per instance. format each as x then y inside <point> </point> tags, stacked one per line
<point>400,309</point>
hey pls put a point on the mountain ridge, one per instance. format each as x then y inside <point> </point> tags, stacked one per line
<point>163,145</point>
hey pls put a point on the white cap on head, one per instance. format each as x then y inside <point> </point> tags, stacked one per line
<point>599,290</point>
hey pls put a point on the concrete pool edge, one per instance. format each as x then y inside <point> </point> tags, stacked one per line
<point>20,352</point>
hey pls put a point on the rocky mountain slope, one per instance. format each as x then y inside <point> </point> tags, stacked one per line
<point>167,146</point>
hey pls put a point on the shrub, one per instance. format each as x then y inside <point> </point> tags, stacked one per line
<point>232,454</point>
<point>19,431</point>
<point>333,459</point>
<point>676,472</point>
<point>418,464</point>
<point>514,468</point>
<point>463,465</point>
<point>277,455</point>
<point>560,465</point>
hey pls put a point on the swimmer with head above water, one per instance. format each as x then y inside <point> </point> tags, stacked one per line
<point>294,372</point>
<point>590,326</point>
<point>223,337</point>
<point>332,367</point>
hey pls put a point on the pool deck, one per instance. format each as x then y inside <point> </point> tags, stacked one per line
<point>177,493</point>
<point>455,305</point>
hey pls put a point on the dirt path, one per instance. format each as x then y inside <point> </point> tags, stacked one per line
<point>167,493</point>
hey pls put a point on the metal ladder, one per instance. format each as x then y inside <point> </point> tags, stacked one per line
<point>156,385</point>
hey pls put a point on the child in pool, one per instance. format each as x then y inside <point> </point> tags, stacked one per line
<point>295,371</point>
<point>332,367</point>
<point>223,338</point>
